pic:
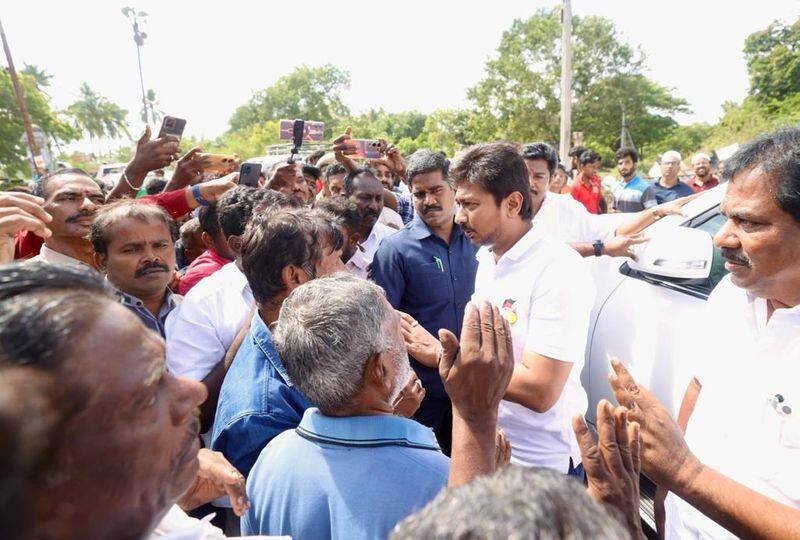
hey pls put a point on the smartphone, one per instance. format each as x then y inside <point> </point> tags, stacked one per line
<point>220,164</point>
<point>248,174</point>
<point>312,131</point>
<point>365,148</point>
<point>171,126</point>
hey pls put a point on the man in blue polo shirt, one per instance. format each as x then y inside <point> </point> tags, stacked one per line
<point>428,271</point>
<point>351,469</point>
<point>633,194</point>
<point>258,400</point>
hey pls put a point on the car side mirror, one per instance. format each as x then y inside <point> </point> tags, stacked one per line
<point>675,253</point>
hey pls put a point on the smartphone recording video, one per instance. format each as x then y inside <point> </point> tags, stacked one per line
<point>312,131</point>
<point>365,148</point>
<point>249,173</point>
<point>171,126</point>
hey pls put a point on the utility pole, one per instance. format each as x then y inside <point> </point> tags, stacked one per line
<point>26,120</point>
<point>566,82</point>
<point>138,38</point>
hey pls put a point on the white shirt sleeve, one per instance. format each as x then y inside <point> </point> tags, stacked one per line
<point>193,345</point>
<point>558,322</point>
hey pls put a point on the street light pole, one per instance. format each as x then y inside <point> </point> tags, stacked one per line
<point>138,37</point>
<point>566,82</point>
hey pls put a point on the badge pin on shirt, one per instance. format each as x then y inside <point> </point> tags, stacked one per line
<point>507,311</point>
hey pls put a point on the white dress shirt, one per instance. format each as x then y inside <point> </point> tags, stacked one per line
<point>544,289</point>
<point>390,218</point>
<point>203,326</point>
<point>359,263</point>
<point>50,256</point>
<point>563,218</point>
<point>739,427</point>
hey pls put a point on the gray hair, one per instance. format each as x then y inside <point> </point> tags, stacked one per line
<point>671,154</point>
<point>424,161</point>
<point>327,330</point>
<point>515,502</point>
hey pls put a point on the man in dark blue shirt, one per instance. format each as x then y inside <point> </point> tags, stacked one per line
<point>428,271</point>
<point>669,187</point>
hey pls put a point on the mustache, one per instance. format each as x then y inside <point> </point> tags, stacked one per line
<point>735,256</point>
<point>426,209</point>
<point>78,215</point>
<point>145,267</point>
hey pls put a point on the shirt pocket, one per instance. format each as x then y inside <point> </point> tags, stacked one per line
<point>781,460</point>
<point>430,282</point>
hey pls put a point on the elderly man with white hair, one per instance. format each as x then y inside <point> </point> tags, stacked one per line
<point>352,468</point>
<point>702,179</point>
<point>668,187</point>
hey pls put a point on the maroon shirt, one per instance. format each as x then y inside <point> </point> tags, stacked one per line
<point>203,266</point>
<point>708,184</point>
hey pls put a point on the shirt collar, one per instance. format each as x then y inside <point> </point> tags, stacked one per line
<point>130,301</point>
<point>522,246</point>
<point>263,338</point>
<point>366,431</point>
<point>419,229</point>
<point>51,256</point>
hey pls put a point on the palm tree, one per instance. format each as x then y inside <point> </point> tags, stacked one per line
<point>97,116</point>
<point>40,76</point>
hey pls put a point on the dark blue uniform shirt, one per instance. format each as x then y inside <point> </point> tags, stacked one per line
<point>429,280</point>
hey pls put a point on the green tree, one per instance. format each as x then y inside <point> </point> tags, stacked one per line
<point>12,145</point>
<point>40,76</point>
<point>310,93</point>
<point>519,96</point>
<point>447,130</point>
<point>96,116</point>
<point>773,61</point>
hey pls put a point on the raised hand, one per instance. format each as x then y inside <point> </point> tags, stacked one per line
<point>420,343</point>
<point>20,212</point>
<point>612,464</point>
<point>666,458</point>
<point>476,371</point>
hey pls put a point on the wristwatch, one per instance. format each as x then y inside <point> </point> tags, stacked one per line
<point>199,198</point>
<point>598,248</point>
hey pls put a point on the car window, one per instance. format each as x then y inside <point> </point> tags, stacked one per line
<point>712,225</point>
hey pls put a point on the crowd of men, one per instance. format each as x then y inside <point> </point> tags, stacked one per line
<point>387,348</point>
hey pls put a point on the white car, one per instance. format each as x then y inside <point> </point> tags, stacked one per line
<point>646,312</point>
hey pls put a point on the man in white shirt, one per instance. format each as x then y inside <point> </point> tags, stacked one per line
<point>72,198</point>
<point>560,216</point>
<point>738,465</point>
<point>544,291</point>
<point>363,188</point>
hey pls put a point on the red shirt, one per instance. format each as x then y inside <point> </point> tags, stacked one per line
<point>588,196</point>
<point>27,244</point>
<point>708,184</point>
<point>203,266</point>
